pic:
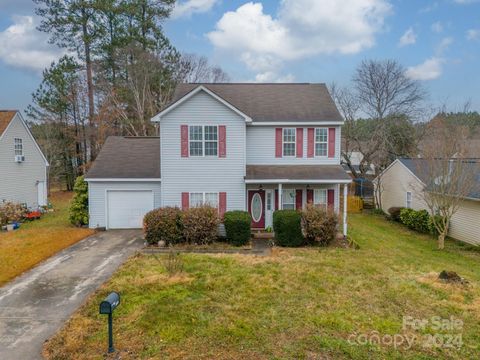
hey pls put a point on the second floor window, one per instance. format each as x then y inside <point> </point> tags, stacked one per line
<point>18,146</point>
<point>321,141</point>
<point>289,141</point>
<point>203,140</point>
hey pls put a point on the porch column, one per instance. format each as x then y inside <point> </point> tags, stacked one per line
<point>345,204</point>
<point>280,206</point>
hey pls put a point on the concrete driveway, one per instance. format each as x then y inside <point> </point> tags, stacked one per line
<point>36,304</point>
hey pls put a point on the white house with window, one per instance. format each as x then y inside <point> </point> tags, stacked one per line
<point>23,167</point>
<point>253,147</point>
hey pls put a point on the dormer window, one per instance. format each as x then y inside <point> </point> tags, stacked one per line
<point>203,140</point>
<point>18,144</point>
<point>289,141</point>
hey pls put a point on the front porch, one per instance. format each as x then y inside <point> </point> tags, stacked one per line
<point>294,187</point>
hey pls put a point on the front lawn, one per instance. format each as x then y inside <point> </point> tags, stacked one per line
<point>298,303</point>
<point>35,241</point>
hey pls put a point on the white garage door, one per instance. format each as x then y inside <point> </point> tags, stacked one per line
<point>126,209</point>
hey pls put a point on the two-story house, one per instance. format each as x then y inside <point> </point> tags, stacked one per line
<point>23,167</point>
<point>254,147</point>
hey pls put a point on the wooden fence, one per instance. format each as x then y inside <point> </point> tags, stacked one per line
<point>354,203</point>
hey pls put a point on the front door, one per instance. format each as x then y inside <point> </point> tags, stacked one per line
<point>269,201</point>
<point>256,200</point>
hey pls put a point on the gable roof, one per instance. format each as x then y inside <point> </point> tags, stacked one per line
<point>5,117</point>
<point>264,103</point>
<point>127,158</point>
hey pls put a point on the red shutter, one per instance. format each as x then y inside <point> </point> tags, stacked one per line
<point>222,141</point>
<point>311,142</point>
<point>299,142</point>
<point>184,139</point>
<point>331,142</point>
<point>309,196</point>
<point>278,142</point>
<point>276,200</point>
<point>298,199</point>
<point>331,198</point>
<point>185,200</point>
<point>222,204</point>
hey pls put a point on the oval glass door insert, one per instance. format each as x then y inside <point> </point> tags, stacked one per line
<point>256,207</point>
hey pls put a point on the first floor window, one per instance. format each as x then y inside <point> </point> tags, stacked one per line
<point>288,199</point>
<point>408,204</point>
<point>289,141</point>
<point>321,141</point>
<point>18,146</point>
<point>320,198</point>
<point>204,198</point>
<point>203,140</point>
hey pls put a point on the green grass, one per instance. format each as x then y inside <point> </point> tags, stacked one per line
<point>296,304</point>
<point>35,241</point>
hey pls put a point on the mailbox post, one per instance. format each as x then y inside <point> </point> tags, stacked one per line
<point>106,307</point>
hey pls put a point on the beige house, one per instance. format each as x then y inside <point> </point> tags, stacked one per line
<point>402,185</point>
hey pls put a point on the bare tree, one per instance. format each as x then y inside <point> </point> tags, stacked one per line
<point>197,69</point>
<point>447,175</point>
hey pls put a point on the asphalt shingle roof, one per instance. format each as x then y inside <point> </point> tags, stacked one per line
<point>127,158</point>
<point>296,172</point>
<point>5,117</point>
<point>274,102</point>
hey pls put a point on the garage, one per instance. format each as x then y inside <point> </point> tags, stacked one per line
<point>126,208</point>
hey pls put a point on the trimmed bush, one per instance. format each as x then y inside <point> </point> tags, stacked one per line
<point>237,225</point>
<point>394,213</point>
<point>200,225</point>
<point>319,226</point>
<point>287,225</point>
<point>163,224</point>
<point>418,220</point>
<point>79,206</point>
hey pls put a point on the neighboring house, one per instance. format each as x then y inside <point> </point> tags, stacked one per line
<point>23,167</point>
<point>253,147</point>
<point>402,184</point>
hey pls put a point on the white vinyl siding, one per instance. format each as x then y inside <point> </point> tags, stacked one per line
<point>97,194</point>
<point>19,181</point>
<point>398,180</point>
<point>261,148</point>
<point>210,174</point>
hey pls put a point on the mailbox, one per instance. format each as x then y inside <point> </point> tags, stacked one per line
<point>106,307</point>
<point>110,303</point>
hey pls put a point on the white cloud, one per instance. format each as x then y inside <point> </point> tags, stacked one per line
<point>444,45</point>
<point>408,38</point>
<point>22,45</point>
<point>273,77</point>
<point>437,27</point>
<point>189,7</point>
<point>473,34</point>
<point>430,69</point>
<point>301,28</point>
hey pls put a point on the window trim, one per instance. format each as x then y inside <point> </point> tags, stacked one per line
<point>203,197</point>
<point>15,146</point>
<point>294,198</point>
<point>289,142</point>
<point>315,203</point>
<point>407,200</point>
<point>203,141</point>
<point>315,142</point>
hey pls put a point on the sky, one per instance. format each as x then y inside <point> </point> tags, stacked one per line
<point>438,43</point>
